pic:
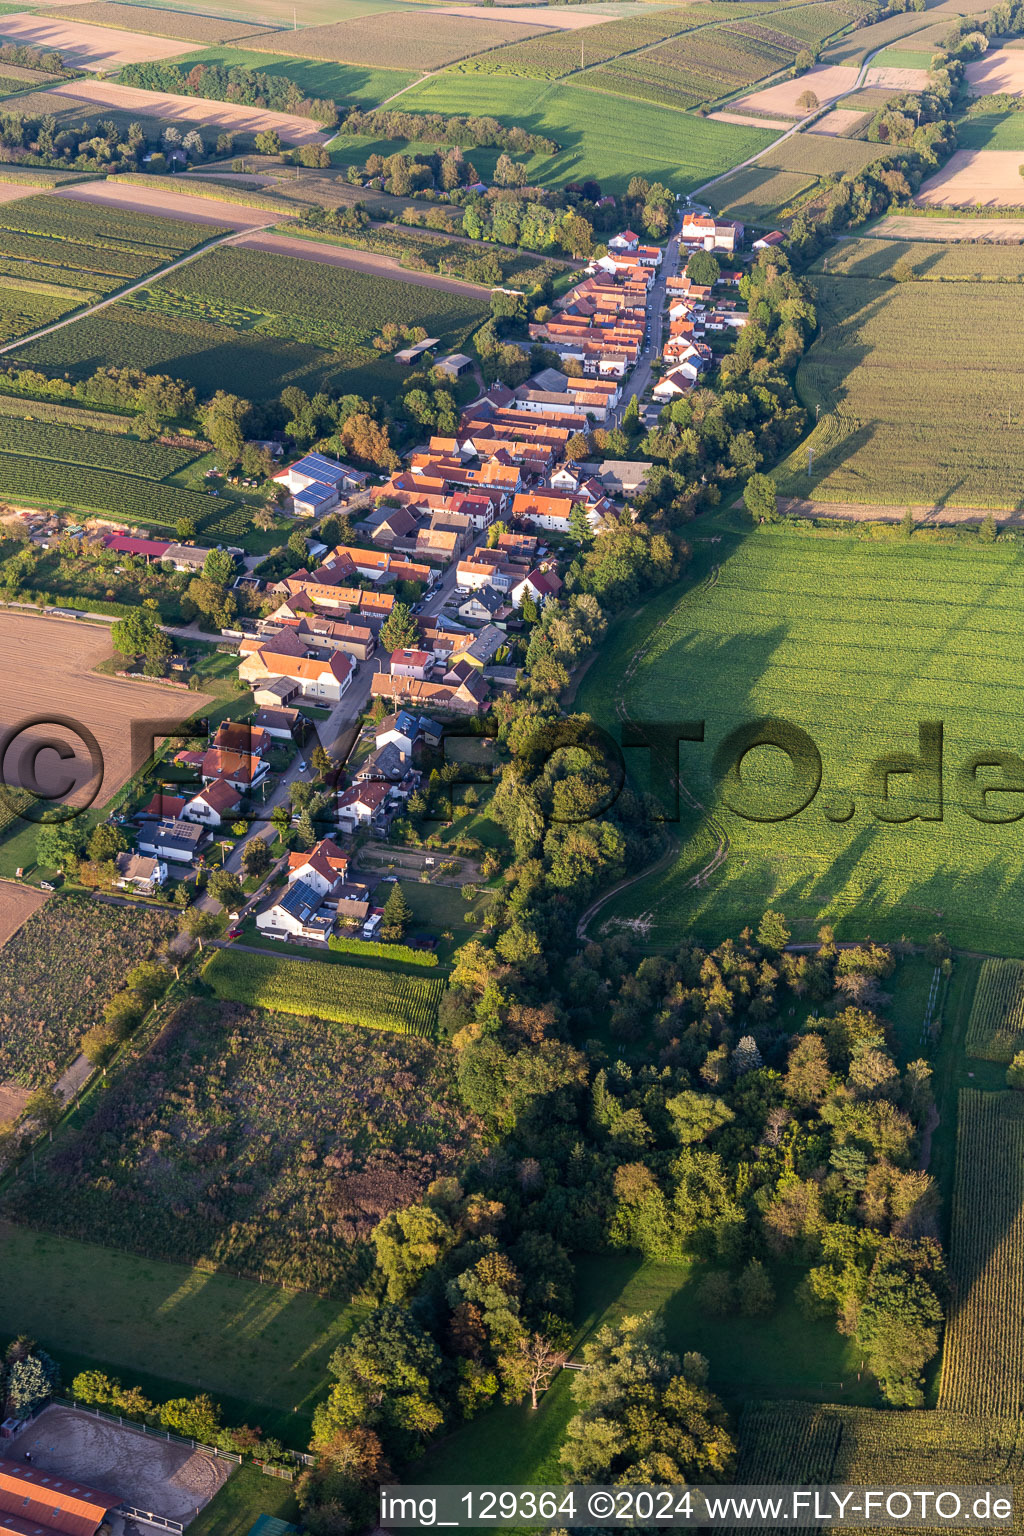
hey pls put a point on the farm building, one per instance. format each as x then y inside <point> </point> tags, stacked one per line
<point>410,355</point>
<point>455,365</point>
<point>34,1502</point>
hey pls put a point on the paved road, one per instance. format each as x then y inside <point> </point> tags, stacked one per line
<point>641,375</point>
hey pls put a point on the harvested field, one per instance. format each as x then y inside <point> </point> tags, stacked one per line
<point>434,40</point>
<point>198,210</point>
<point>840,121</point>
<point>902,226</point>
<point>87,47</point>
<point>976,178</point>
<point>185,25</point>
<point>171,1480</point>
<point>747,120</point>
<point>827,81</point>
<point>48,674</point>
<point>13,1098</point>
<point>190,109</point>
<point>929,515</point>
<point>897,79</point>
<point>567,19</point>
<point>11,191</point>
<point>856,47</point>
<point>17,902</point>
<point>998,72</point>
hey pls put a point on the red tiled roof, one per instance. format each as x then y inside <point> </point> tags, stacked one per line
<point>50,1502</point>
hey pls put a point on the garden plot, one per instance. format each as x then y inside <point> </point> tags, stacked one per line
<point>978,178</point>
<point>169,1480</point>
<point>87,47</point>
<point>48,674</point>
<point>827,81</point>
<point>190,109</point>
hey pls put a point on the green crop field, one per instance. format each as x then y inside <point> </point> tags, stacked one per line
<point>992,130</point>
<point>599,138</point>
<point>855,641</point>
<point>347,994</point>
<point>983,1359</point>
<point>431,42</point>
<point>995,1029</point>
<point>892,422</point>
<point>253,321</point>
<point>757,194</point>
<point>345,83</point>
<point>855,48</point>
<point>552,54</point>
<point>822,154</point>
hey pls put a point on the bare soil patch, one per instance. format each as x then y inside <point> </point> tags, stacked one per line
<point>869,512</point>
<point>748,120</point>
<point>900,226</point>
<point>977,178</point>
<point>48,688</point>
<point>356,261</point>
<point>999,71</point>
<point>157,1475</point>
<point>17,902</point>
<point>190,109</point>
<point>839,122</point>
<point>897,79</point>
<point>13,1098</point>
<point>827,81</point>
<point>88,47</point>
<point>178,205</point>
<point>13,191</point>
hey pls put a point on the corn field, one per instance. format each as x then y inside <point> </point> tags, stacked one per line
<point>344,994</point>
<point>983,1361</point>
<point>995,1030</point>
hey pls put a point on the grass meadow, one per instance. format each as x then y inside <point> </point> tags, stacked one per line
<point>895,394</point>
<point>361,84</point>
<point>600,137</point>
<point>992,130</point>
<point>855,641</point>
<point>749,1358</point>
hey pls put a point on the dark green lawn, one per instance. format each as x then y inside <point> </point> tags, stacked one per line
<point>247,1494</point>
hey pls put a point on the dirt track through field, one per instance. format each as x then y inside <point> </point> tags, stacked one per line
<point>356,261</point>
<point>157,1475</point>
<point>899,226</point>
<point>187,109</point>
<point>979,178</point>
<point>868,512</point>
<point>87,47</point>
<point>179,205</point>
<point>49,691</point>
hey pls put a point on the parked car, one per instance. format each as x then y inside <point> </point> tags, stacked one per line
<point>234,933</point>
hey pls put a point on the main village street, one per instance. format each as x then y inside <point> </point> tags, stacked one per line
<point>640,378</point>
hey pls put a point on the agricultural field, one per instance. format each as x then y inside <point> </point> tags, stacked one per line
<point>822,154</point>
<point>982,1370</point>
<point>553,54</point>
<point>65,963</point>
<point>349,994</point>
<point>86,47</point>
<point>856,47</point>
<point>264,1144</point>
<point>881,440</point>
<point>992,130</point>
<point>757,194</point>
<point>349,84</point>
<point>982,178</point>
<point>167,107</point>
<point>253,321</point>
<point>995,1029</point>
<point>434,41</point>
<point>826,81</point>
<point>59,254</point>
<point>855,640</point>
<point>926,250</point>
<point>51,661</point>
<point>809,1443</point>
<point>190,27</point>
<point>17,904</point>
<point>608,146</point>
<point>1000,71</point>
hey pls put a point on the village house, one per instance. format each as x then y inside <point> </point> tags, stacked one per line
<point>144,876</point>
<point>213,805</point>
<point>407,663</point>
<point>280,724</point>
<point>539,585</point>
<point>322,868</point>
<point>326,678</point>
<point>241,770</point>
<point>362,805</point>
<point>173,839</point>
<point>466,699</point>
<point>484,604</point>
<point>298,913</point>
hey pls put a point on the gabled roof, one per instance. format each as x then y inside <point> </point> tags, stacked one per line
<point>48,1502</point>
<point>372,795</point>
<point>220,796</point>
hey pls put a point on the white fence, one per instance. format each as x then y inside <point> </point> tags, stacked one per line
<point>146,1429</point>
<point>149,1518</point>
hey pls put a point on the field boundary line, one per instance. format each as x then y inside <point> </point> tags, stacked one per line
<point>123,293</point>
